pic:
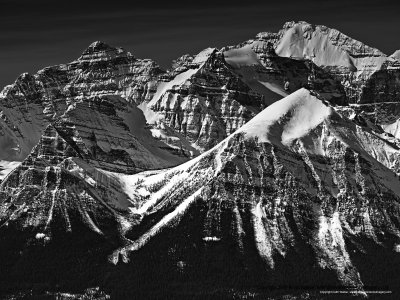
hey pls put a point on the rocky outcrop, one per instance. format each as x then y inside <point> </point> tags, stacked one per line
<point>383,120</point>
<point>266,72</point>
<point>383,85</point>
<point>21,118</point>
<point>299,188</point>
<point>304,192</point>
<point>34,101</point>
<point>113,132</point>
<point>351,62</point>
<point>100,134</point>
<point>339,68</point>
<point>280,194</point>
<point>105,69</point>
<point>204,103</point>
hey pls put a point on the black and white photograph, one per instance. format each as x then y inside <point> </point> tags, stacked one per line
<point>199,149</point>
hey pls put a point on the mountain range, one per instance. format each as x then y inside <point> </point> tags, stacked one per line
<point>269,168</point>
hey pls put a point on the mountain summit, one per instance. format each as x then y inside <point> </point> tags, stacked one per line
<point>101,50</point>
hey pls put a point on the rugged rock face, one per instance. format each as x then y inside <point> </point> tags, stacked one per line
<point>98,133</point>
<point>105,69</point>
<point>22,119</point>
<point>339,68</point>
<point>347,60</point>
<point>383,85</point>
<point>211,95</point>
<point>205,103</point>
<point>34,101</point>
<point>265,71</point>
<point>297,182</point>
<point>84,98</point>
<point>113,133</point>
<point>300,191</point>
<point>262,70</point>
<point>297,188</point>
<point>382,117</point>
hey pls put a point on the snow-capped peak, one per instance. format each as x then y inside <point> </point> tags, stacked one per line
<point>288,119</point>
<point>244,56</point>
<point>99,46</point>
<point>203,55</point>
<point>327,47</point>
<point>99,49</point>
<point>310,31</point>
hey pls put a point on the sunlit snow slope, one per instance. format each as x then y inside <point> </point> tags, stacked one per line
<point>298,179</point>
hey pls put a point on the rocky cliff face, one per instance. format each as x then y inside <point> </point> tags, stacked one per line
<point>298,188</point>
<point>259,192</point>
<point>297,175</point>
<point>351,62</point>
<point>84,93</point>
<point>280,194</point>
<point>51,187</point>
<point>263,70</point>
<point>204,103</point>
<point>267,72</point>
<point>211,95</point>
<point>339,68</point>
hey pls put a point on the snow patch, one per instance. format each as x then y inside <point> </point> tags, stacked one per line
<point>203,56</point>
<point>244,56</point>
<point>6,167</point>
<point>288,119</point>
<point>393,128</point>
<point>329,47</point>
<point>165,221</point>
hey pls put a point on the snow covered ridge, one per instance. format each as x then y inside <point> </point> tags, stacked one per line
<point>327,46</point>
<point>297,174</point>
<point>204,97</point>
<point>283,148</point>
<point>313,153</point>
<point>324,134</point>
<point>350,61</point>
<point>309,31</point>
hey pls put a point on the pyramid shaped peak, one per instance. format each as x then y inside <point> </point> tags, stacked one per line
<point>100,46</point>
<point>289,118</point>
<point>100,49</point>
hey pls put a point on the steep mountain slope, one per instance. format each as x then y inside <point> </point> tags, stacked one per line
<point>195,105</point>
<point>339,68</point>
<point>204,103</point>
<point>182,100</point>
<point>351,62</point>
<point>304,192</point>
<point>215,92</point>
<point>265,70</point>
<point>50,190</point>
<point>297,188</point>
<point>85,94</point>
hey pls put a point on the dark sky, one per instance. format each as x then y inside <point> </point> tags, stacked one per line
<point>39,33</point>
